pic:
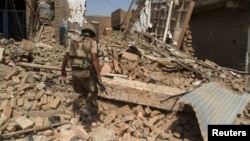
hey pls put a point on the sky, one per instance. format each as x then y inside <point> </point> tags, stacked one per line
<point>106,7</point>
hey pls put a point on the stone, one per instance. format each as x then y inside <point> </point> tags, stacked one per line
<point>24,122</point>
<point>39,122</point>
<point>55,103</point>
<point>103,134</point>
<point>70,135</point>
<point>7,112</point>
<point>40,85</point>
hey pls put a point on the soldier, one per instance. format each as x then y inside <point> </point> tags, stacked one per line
<point>82,55</point>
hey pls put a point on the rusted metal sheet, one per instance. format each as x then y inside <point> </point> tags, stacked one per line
<point>214,104</point>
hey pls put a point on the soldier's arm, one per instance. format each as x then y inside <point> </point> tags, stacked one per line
<point>64,63</point>
<point>95,63</point>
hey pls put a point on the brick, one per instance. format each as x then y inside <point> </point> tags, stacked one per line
<point>16,79</point>
<point>50,98</point>
<point>20,92</point>
<point>60,95</point>
<point>7,112</point>
<point>165,136</point>
<point>27,104</point>
<point>34,105</point>
<point>125,111</point>
<point>1,53</point>
<point>12,73</point>
<point>104,134</point>
<point>137,123</point>
<point>47,133</point>
<point>39,94</point>
<point>121,129</point>
<point>140,115</point>
<point>111,116</point>
<point>56,134</point>
<point>16,114</point>
<point>43,99</point>
<point>130,56</point>
<point>31,96</point>
<point>40,85</point>
<point>108,32</point>
<point>5,96</point>
<point>138,109</point>
<point>13,102</point>
<point>105,69</point>
<point>46,121</point>
<point>55,103</point>
<point>154,113</point>
<point>10,89</point>
<point>74,121</point>
<point>20,102</point>
<point>128,118</point>
<point>3,120</point>
<point>3,104</point>
<point>68,112</point>
<point>147,110</point>
<point>40,138</point>
<point>69,135</point>
<point>63,116</point>
<point>45,107</point>
<point>39,122</point>
<point>11,127</point>
<point>24,78</point>
<point>3,85</point>
<point>24,122</point>
<point>36,76</point>
<point>42,113</point>
<point>49,92</point>
<point>81,132</point>
<point>25,87</point>
<point>126,137</point>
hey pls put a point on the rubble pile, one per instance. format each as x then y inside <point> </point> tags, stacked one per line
<point>154,62</point>
<point>37,104</point>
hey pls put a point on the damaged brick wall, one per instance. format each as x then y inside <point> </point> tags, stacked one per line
<point>221,36</point>
<point>105,22</point>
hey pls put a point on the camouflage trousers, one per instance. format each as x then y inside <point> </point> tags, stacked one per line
<point>84,84</point>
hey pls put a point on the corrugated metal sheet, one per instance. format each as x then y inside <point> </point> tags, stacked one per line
<point>213,104</point>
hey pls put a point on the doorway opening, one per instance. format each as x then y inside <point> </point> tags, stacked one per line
<point>13,19</point>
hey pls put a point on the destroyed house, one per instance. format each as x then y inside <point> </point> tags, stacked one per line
<point>221,32</point>
<point>22,19</point>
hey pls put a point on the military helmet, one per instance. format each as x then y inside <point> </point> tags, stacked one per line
<point>88,30</point>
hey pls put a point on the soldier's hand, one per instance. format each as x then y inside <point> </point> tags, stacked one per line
<point>99,78</point>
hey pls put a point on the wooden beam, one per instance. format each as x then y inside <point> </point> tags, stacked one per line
<point>31,8</point>
<point>185,24</point>
<point>138,92</point>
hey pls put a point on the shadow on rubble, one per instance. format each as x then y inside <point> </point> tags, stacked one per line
<point>186,125</point>
<point>86,120</point>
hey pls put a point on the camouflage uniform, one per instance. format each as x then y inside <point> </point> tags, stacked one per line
<point>83,80</point>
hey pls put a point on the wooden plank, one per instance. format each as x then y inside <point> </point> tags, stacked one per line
<point>185,24</point>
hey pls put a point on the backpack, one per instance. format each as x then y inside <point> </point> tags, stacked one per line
<point>80,51</point>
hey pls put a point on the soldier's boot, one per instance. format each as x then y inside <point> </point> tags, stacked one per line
<point>86,113</point>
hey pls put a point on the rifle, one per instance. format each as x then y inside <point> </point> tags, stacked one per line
<point>102,87</point>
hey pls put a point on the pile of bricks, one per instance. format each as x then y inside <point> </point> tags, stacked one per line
<point>36,104</point>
